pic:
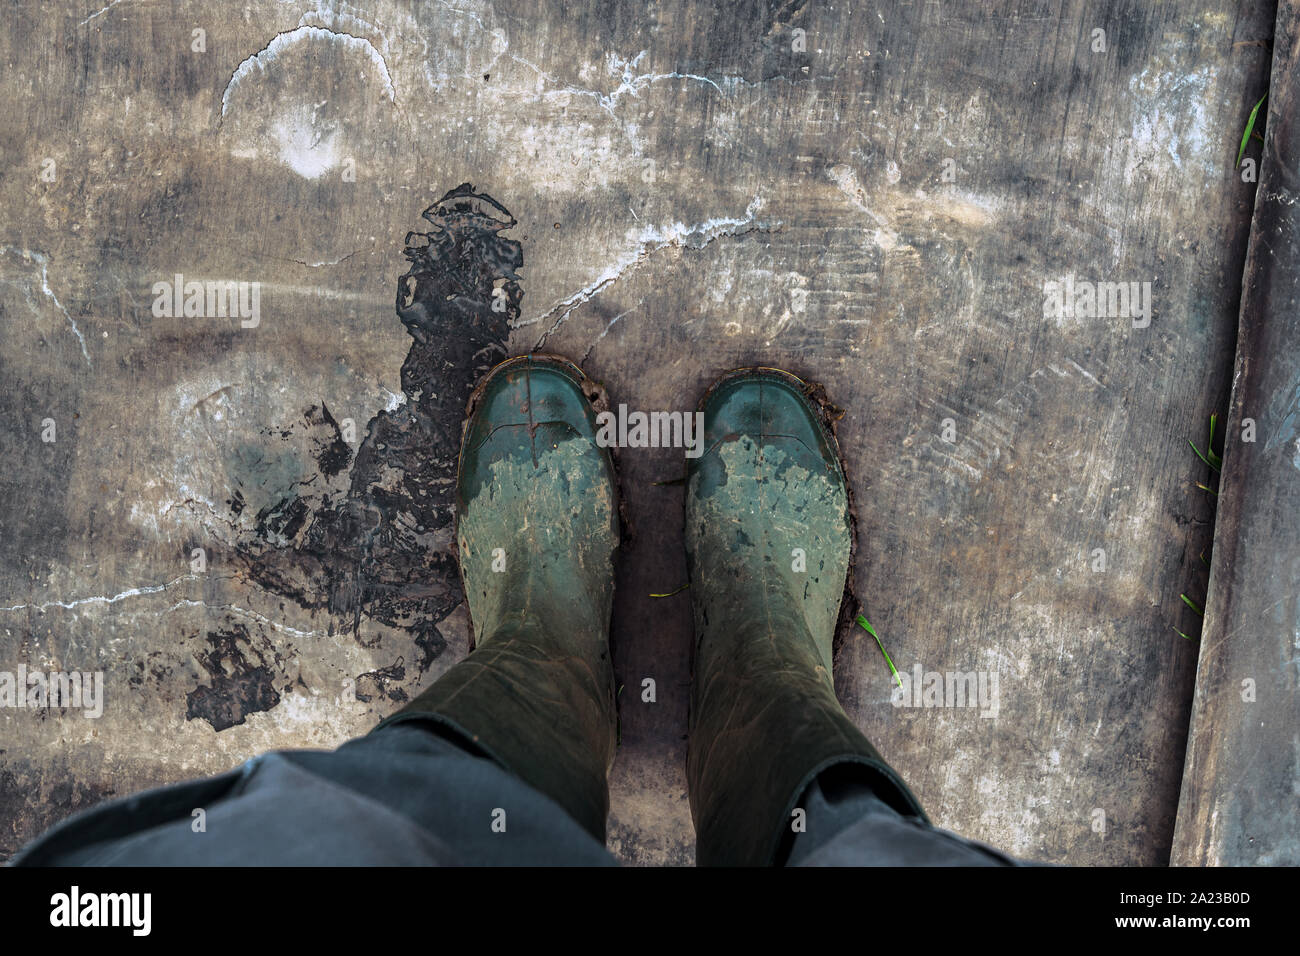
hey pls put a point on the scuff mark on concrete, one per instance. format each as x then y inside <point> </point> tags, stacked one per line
<point>846,180</point>
<point>1285,410</point>
<point>898,215</point>
<point>587,354</point>
<point>100,12</point>
<point>323,262</point>
<point>500,44</point>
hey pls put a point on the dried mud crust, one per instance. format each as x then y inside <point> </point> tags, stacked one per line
<point>596,396</point>
<point>828,415</point>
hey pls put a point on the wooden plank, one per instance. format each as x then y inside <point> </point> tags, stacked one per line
<point>1240,799</point>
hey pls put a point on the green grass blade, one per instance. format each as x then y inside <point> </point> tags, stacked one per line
<point>1181,634</point>
<point>1250,128</point>
<point>872,631</point>
<point>673,591</point>
<point>1192,604</point>
<point>1202,457</point>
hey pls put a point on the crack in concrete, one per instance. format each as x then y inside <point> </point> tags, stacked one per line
<point>43,261</point>
<point>287,38</point>
<point>103,599</point>
<point>629,83</point>
<point>245,612</point>
<point>610,325</point>
<point>633,84</point>
<point>322,263</point>
<point>99,13</point>
<point>651,240</point>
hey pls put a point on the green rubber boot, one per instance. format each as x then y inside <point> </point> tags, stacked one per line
<point>538,533</point>
<point>769,543</point>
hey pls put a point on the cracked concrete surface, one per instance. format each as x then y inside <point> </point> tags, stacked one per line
<point>872,197</point>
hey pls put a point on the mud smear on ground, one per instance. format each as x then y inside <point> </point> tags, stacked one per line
<point>382,549</point>
<point>375,684</point>
<point>242,683</point>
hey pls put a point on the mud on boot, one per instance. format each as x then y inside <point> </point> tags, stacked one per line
<point>538,534</point>
<point>769,542</point>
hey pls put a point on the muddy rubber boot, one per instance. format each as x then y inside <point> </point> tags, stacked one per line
<point>769,546</point>
<point>538,532</point>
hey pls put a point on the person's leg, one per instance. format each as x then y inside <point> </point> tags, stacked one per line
<point>847,824</point>
<point>399,797</point>
<point>538,533</point>
<point>504,759</point>
<point>769,543</point>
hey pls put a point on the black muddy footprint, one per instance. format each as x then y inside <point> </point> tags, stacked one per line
<point>382,548</point>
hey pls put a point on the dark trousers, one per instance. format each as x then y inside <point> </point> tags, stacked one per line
<point>405,795</point>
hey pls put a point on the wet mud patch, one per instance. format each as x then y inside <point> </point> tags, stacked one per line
<point>376,541</point>
<point>242,679</point>
<point>383,683</point>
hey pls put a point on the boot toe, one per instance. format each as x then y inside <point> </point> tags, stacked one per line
<point>526,407</point>
<point>770,408</point>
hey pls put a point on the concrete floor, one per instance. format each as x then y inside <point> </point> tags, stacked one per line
<point>873,195</point>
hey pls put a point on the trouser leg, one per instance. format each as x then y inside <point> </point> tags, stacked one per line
<point>530,703</point>
<point>769,543</point>
<point>401,796</point>
<point>847,824</point>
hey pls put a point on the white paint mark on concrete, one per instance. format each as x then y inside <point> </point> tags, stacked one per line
<point>264,57</point>
<point>1170,122</point>
<point>305,147</point>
